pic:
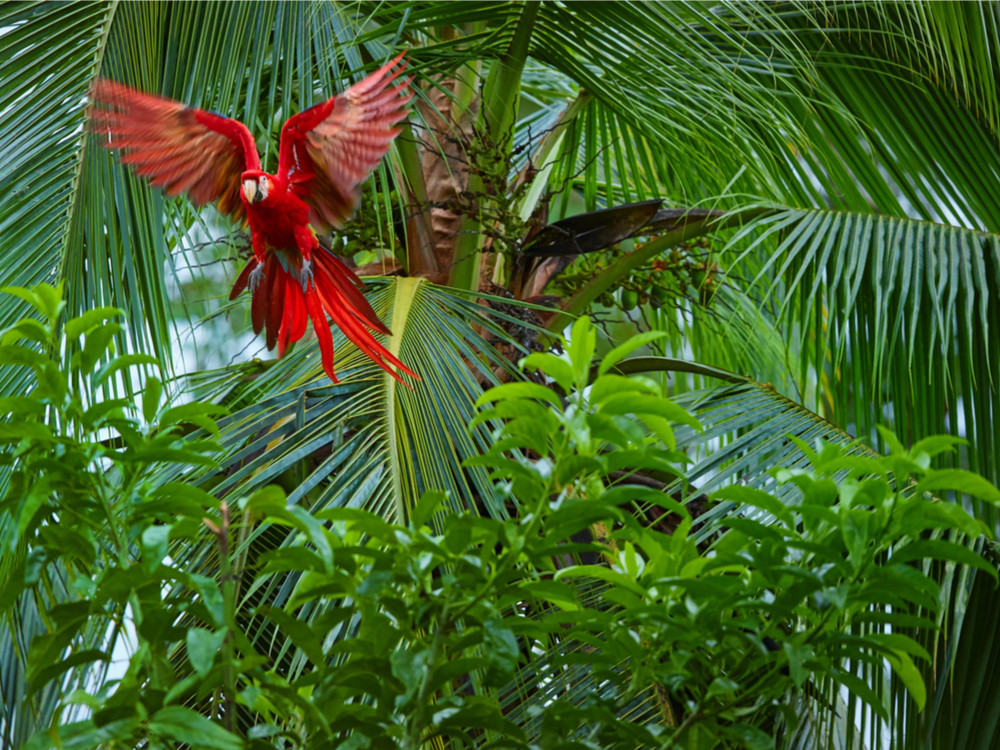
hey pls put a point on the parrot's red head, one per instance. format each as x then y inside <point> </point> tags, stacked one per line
<point>256,185</point>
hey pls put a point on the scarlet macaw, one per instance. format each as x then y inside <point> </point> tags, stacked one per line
<point>326,152</point>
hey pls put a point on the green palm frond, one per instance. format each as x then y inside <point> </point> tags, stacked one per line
<point>49,56</point>
<point>892,315</point>
<point>651,123</point>
<point>853,119</point>
<point>955,43</point>
<point>969,719</point>
<point>388,443</point>
<point>885,112</point>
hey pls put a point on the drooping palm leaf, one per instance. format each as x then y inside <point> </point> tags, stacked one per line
<point>894,317</point>
<point>388,443</point>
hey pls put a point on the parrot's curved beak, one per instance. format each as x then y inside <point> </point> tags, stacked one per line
<point>250,190</point>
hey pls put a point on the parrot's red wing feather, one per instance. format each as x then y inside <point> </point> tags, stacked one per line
<point>176,147</point>
<point>328,150</point>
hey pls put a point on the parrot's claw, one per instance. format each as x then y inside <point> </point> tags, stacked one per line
<point>256,276</point>
<point>306,274</point>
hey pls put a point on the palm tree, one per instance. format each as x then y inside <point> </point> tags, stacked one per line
<point>828,260</point>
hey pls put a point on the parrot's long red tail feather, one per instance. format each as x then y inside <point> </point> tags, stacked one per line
<point>282,308</point>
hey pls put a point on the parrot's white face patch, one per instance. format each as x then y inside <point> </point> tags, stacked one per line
<point>256,189</point>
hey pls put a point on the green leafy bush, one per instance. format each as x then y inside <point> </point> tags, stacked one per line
<point>86,528</point>
<point>440,630</point>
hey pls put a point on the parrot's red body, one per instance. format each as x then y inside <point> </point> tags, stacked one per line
<point>325,154</point>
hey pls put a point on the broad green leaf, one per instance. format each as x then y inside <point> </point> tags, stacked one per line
<point>903,666</point>
<point>962,481</point>
<point>155,542</point>
<point>202,647</point>
<point>182,725</point>
<point>85,323</point>
<point>941,549</point>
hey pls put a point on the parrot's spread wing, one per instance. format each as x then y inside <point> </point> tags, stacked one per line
<point>328,150</point>
<point>180,148</point>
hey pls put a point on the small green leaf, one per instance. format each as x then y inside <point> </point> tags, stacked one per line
<point>191,728</point>
<point>211,597</point>
<point>605,574</point>
<point>43,297</point>
<point>555,367</point>
<point>16,354</point>
<point>20,405</point>
<point>500,647</point>
<point>89,320</point>
<point>900,643</point>
<point>301,634</point>
<point>151,399</point>
<point>935,444</point>
<point>862,690</point>
<point>122,363</point>
<point>940,549</point>
<point>552,592</point>
<point>797,656</point>
<point>908,673</point>
<point>155,542</point>
<point>747,736</point>
<point>608,385</point>
<point>202,646</point>
<point>661,428</point>
<point>514,409</point>
<point>197,414</point>
<point>895,447</point>
<point>581,347</point>
<point>756,498</point>
<point>266,500</point>
<point>509,391</point>
<point>623,404</point>
<point>960,480</point>
<point>15,432</point>
<point>28,328</point>
<point>722,686</point>
<point>426,507</point>
<point>623,350</point>
<point>410,669</point>
<point>854,528</point>
<point>97,343</point>
<point>39,674</point>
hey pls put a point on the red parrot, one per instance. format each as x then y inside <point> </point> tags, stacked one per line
<point>326,152</point>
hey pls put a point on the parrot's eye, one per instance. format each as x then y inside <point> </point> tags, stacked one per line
<point>264,186</point>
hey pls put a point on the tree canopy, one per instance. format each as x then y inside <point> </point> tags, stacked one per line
<point>778,217</point>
